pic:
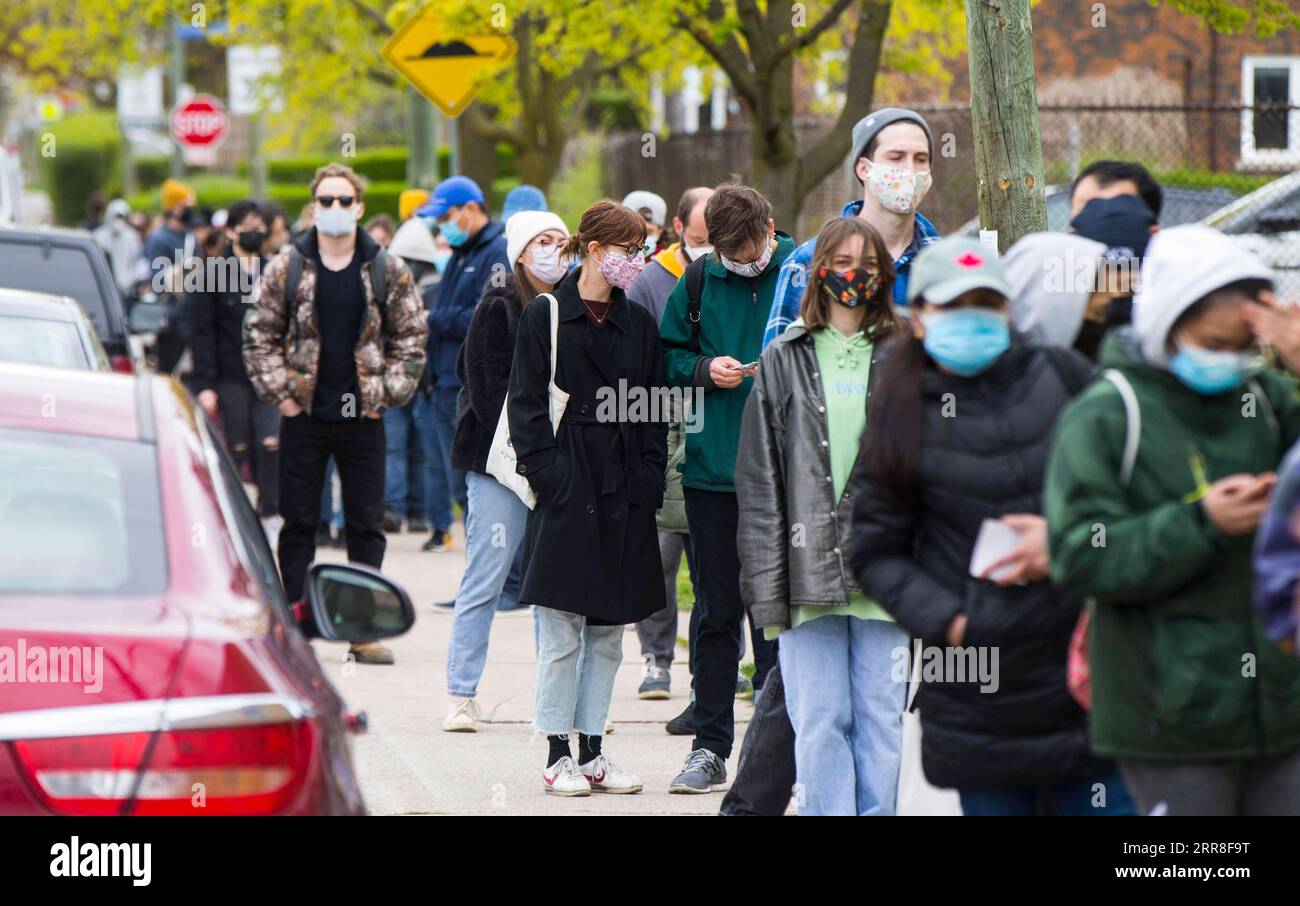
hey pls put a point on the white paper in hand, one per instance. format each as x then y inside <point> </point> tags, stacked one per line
<point>996,539</point>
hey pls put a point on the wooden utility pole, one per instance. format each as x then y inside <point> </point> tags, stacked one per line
<point>1004,119</point>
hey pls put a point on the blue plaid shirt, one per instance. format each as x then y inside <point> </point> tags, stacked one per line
<point>793,278</point>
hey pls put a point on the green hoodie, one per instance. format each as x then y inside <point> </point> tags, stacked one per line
<point>733,316</point>
<point>1180,668</point>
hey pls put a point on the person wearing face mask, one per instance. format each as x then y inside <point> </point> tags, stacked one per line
<point>591,562</point>
<point>655,211</point>
<point>713,343</point>
<point>893,151</point>
<point>958,432</point>
<point>168,251</point>
<point>1173,458</point>
<point>1058,291</point>
<point>658,634</point>
<point>803,421</point>
<point>478,255</point>
<point>251,427</point>
<point>494,524</point>
<point>334,337</point>
<point>1125,225</point>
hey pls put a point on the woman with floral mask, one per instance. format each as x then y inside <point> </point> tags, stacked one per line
<point>955,447</point>
<point>590,552</point>
<point>494,523</point>
<point>1158,479</point>
<point>802,425</point>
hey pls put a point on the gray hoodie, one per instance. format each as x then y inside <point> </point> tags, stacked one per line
<point>1052,275</point>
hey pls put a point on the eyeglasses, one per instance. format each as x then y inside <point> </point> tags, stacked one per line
<point>326,201</point>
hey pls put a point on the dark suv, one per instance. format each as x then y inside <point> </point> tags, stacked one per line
<point>69,263</point>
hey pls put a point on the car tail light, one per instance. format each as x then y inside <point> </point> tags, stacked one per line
<point>121,363</point>
<point>250,770</point>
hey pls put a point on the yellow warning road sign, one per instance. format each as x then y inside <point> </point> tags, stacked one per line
<point>442,67</point>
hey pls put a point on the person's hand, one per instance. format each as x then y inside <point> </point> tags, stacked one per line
<point>957,630</point>
<point>1277,325</point>
<point>208,400</point>
<point>725,372</point>
<point>1028,561</point>
<point>290,408</point>
<point>374,415</point>
<point>1236,504</point>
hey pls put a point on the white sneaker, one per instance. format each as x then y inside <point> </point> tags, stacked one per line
<point>609,727</point>
<point>462,714</point>
<point>564,779</point>
<point>606,777</point>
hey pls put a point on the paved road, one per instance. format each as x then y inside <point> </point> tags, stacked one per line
<point>408,765</point>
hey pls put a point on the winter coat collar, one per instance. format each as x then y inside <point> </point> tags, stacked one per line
<point>784,246</point>
<point>571,307</point>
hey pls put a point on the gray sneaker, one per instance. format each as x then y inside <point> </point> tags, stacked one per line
<point>655,682</point>
<point>704,772</point>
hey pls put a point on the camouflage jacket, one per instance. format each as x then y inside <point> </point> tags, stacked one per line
<point>282,358</point>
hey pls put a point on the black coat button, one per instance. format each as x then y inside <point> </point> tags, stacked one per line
<point>590,508</point>
<point>521,468</point>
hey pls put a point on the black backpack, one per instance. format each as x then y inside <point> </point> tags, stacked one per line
<point>293,276</point>
<point>694,277</point>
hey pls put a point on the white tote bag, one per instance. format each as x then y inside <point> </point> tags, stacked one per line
<point>501,457</point>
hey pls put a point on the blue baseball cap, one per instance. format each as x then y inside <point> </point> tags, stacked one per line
<point>451,193</point>
<point>523,198</point>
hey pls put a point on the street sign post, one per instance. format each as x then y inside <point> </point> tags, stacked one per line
<point>445,69</point>
<point>198,126</point>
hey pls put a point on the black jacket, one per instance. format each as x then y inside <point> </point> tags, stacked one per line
<point>483,367</point>
<point>984,443</point>
<point>591,546</point>
<point>782,473</point>
<point>216,343</point>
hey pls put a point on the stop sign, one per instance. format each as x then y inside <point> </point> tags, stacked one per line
<point>200,122</point>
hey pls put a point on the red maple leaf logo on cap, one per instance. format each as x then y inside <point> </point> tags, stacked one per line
<point>970,259</point>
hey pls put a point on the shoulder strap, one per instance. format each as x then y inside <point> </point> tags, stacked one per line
<point>379,277</point>
<point>292,277</point>
<point>694,291</point>
<point>1133,413</point>
<point>555,329</point>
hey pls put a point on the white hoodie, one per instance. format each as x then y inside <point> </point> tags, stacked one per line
<point>1051,275</point>
<point>1183,265</point>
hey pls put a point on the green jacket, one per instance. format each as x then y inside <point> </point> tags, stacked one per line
<point>1180,668</point>
<point>733,316</point>
<point>671,516</point>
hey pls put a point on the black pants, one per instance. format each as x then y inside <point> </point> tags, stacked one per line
<point>358,448</point>
<point>765,774</point>
<point>714,517</point>
<point>248,423</point>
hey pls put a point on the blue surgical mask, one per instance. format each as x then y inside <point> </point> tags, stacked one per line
<point>1209,371</point>
<point>440,260</point>
<point>967,340</point>
<point>452,232</point>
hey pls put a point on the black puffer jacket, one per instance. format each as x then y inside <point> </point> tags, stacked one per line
<point>982,459</point>
<point>217,320</point>
<point>483,367</point>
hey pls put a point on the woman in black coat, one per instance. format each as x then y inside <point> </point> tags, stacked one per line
<point>958,434</point>
<point>590,550</point>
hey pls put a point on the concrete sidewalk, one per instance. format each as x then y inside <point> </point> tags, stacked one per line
<point>408,765</point>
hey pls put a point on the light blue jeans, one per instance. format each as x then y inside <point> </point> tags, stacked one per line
<point>846,708</point>
<point>494,530</point>
<point>576,665</point>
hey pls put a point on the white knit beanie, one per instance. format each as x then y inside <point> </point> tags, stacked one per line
<point>1184,264</point>
<point>523,226</point>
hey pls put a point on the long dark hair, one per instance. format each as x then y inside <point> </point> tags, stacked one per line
<point>893,438</point>
<point>878,317</point>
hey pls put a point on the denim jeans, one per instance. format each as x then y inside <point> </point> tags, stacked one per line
<point>576,665</point>
<point>404,463</point>
<point>444,428</point>
<point>1073,797</point>
<point>846,707</point>
<point>436,489</point>
<point>494,531</point>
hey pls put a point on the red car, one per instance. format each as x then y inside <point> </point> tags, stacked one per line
<point>149,663</point>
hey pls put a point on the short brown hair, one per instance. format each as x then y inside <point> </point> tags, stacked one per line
<point>879,319</point>
<point>736,216</point>
<point>608,223</point>
<point>335,168</point>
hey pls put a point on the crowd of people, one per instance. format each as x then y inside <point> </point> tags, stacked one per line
<point>1019,493</point>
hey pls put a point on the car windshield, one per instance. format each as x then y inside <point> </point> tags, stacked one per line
<point>79,515</point>
<point>39,341</point>
<point>54,269</point>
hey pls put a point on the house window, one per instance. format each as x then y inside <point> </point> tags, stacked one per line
<point>1270,136</point>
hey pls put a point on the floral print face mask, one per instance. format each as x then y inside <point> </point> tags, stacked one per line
<point>620,270</point>
<point>898,189</point>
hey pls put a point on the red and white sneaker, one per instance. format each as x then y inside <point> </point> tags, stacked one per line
<point>606,777</point>
<point>564,779</point>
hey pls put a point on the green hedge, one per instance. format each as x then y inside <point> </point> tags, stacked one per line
<point>379,165</point>
<point>216,191</point>
<point>86,153</point>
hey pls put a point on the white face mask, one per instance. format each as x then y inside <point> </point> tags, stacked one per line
<point>694,252</point>
<point>898,189</point>
<point>546,265</point>
<point>336,220</point>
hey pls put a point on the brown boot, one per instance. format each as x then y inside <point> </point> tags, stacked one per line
<point>371,653</point>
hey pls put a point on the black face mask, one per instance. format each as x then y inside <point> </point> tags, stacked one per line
<point>251,240</point>
<point>1088,341</point>
<point>187,216</point>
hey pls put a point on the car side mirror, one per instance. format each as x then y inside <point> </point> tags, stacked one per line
<point>354,603</point>
<point>147,317</point>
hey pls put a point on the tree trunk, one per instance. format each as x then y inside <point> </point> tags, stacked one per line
<point>1004,119</point>
<point>478,159</point>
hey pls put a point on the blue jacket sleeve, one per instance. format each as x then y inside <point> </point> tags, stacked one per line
<point>790,283</point>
